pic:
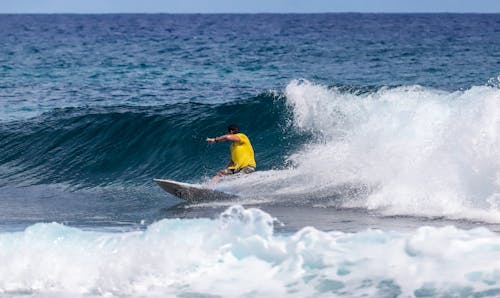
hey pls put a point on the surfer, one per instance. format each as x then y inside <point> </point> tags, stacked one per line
<point>242,156</point>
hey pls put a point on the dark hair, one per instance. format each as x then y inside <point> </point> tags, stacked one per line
<point>233,128</point>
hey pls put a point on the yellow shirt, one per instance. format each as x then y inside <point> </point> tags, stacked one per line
<point>242,153</point>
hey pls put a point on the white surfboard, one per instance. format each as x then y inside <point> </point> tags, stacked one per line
<point>191,192</point>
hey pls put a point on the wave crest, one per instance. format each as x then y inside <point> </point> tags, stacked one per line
<point>425,151</point>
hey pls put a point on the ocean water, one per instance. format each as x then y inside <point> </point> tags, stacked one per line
<point>377,139</point>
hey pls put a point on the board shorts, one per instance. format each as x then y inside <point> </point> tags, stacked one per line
<point>245,170</point>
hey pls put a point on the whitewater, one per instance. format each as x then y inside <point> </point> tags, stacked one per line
<point>238,254</point>
<point>405,150</point>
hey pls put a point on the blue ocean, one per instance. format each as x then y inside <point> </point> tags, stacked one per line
<point>376,136</point>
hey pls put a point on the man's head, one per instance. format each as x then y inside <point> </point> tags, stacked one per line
<point>232,129</point>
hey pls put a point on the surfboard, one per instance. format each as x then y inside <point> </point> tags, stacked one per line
<point>192,193</point>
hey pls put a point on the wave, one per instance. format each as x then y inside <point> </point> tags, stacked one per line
<point>90,146</point>
<point>400,150</point>
<point>238,254</point>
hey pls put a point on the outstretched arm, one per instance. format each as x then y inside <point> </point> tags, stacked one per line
<point>228,137</point>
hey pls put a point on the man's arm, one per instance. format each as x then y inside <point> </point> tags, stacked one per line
<point>228,137</point>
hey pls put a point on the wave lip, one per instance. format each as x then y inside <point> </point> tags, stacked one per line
<point>99,146</point>
<point>239,255</point>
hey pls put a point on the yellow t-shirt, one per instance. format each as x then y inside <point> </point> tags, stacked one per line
<point>242,153</point>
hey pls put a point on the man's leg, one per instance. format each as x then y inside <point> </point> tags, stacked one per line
<point>223,172</point>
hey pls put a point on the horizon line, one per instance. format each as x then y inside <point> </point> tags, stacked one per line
<point>243,13</point>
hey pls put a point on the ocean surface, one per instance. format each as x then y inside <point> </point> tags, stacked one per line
<point>377,140</point>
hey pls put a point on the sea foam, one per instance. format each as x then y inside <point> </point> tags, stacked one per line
<point>425,151</point>
<point>407,150</point>
<point>239,254</point>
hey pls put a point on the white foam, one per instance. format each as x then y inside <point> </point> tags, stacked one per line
<point>239,255</point>
<point>419,151</point>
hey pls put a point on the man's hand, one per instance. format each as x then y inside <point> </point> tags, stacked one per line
<point>211,140</point>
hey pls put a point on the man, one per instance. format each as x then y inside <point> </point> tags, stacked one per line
<point>242,156</point>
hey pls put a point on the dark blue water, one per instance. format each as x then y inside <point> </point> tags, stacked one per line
<point>58,60</point>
